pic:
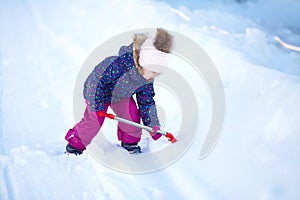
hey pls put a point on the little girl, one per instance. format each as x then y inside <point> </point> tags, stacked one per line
<point>113,82</point>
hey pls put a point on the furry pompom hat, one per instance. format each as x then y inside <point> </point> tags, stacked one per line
<point>154,51</point>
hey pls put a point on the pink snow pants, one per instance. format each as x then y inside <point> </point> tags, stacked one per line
<point>85,130</point>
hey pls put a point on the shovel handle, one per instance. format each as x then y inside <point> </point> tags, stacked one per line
<point>168,135</point>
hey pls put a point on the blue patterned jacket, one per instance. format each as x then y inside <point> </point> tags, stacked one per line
<point>116,78</point>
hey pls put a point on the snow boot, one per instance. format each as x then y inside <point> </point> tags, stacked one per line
<point>133,148</point>
<point>72,150</point>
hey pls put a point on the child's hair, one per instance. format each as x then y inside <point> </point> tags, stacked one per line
<point>163,41</point>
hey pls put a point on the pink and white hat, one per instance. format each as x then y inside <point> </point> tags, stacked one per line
<point>151,58</point>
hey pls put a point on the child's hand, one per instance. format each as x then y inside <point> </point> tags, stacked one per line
<point>154,134</point>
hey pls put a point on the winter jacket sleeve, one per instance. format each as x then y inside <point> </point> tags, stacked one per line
<point>100,78</point>
<point>147,107</point>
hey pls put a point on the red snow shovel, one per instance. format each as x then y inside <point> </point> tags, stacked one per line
<point>170,137</point>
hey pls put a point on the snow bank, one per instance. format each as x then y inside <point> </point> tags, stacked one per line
<point>271,13</point>
<point>41,55</point>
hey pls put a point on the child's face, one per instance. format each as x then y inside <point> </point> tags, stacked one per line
<point>149,75</point>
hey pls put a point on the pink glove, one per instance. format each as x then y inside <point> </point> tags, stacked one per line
<point>154,134</point>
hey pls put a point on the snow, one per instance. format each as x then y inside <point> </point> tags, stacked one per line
<point>43,46</point>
